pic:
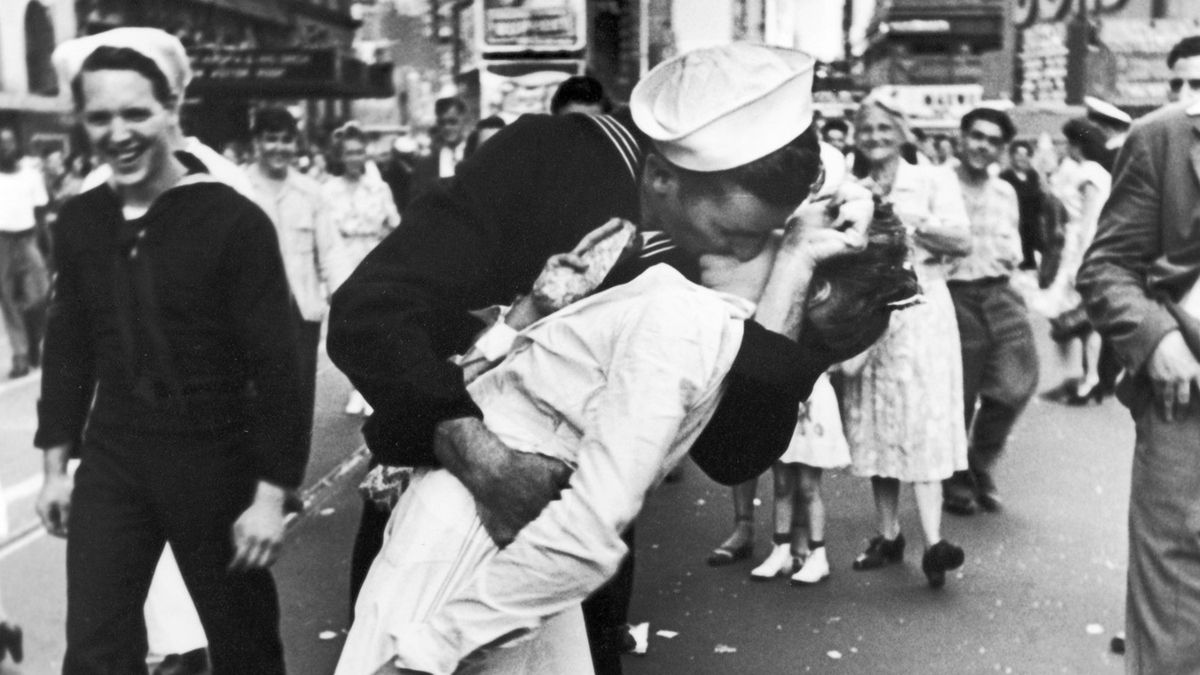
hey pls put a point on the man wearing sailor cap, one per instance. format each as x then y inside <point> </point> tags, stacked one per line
<point>170,304</point>
<point>723,141</point>
<point>1113,121</point>
<point>1139,283</point>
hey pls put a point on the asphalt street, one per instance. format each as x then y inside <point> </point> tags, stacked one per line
<point>1042,590</point>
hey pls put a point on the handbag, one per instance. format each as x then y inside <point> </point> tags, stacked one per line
<point>1071,324</point>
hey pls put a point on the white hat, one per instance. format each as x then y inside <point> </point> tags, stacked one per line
<point>164,49</point>
<point>719,108</point>
<point>1105,111</point>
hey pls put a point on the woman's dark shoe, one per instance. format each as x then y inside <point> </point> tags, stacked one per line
<point>1096,393</point>
<point>725,554</point>
<point>1062,393</point>
<point>194,662</point>
<point>940,558</point>
<point>12,641</point>
<point>880,552</point>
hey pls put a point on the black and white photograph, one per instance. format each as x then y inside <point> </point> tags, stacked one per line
<point>599,337</point>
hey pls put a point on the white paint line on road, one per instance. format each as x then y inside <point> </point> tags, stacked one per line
<point>13,385</point>
<point>25,537</point>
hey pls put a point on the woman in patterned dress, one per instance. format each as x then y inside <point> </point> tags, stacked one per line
<point>903,398</point>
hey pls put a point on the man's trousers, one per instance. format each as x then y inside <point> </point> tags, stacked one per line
<point>1162,609</point>
<point>1000,364</point>
<point>135,492</point>
<point>24,288</point>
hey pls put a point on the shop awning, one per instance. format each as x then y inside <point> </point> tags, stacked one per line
<point>286,73</point>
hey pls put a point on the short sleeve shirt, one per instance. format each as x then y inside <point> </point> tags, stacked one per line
<point>21,192</point>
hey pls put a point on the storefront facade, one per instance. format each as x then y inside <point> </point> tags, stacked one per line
<point>250,53</point>
<point>29,101</point>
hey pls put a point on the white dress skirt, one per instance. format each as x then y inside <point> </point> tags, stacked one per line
<point>434,539</point>
<point>617,386</point>
<point>818,440</point>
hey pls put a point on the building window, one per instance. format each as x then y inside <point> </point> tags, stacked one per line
<point>39,45</point>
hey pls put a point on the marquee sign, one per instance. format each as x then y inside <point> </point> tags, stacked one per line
<point>531,25</point>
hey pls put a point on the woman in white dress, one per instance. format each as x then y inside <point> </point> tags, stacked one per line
<point>818,443</point>
<point>1082,190</point>
<point>903,398</point>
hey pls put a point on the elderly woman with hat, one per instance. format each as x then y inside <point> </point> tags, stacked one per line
<point>171,299</point>
<point>618,386</point>
<point>903,398</point>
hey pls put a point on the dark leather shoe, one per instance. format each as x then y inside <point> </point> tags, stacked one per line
<point>20,367</point>
<point>194,662</point>
<point>986,494</point>
<point>880,552</point>
<point>959,505</point>
<point>940,558</point>
<point>727,555</point>
<point>12,641</point>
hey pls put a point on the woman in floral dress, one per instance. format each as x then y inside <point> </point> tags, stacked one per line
<point>903,398</point>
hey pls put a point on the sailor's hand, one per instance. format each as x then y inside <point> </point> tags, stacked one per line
<point>258,532</point>
<point>54,503</point>
<point>510,488</point>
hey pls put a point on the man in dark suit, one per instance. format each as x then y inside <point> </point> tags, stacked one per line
<point>447,150</point>
<point>1144,260</point>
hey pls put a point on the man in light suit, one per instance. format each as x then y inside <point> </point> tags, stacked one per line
<point>1136,281</point>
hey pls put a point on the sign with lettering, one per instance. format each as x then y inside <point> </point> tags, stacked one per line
<point>531,25</point>
<point>256,66</point>
<point>1044,63</point>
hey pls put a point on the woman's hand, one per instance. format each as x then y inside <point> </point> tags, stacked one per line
<point>826,228</point>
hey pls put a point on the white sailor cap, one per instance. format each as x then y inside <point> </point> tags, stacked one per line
<point>719,108</point>
<point>1103,111</point>
<point>164,49</point>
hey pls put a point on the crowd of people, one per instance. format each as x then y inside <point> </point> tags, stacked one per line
<point>709,272</point>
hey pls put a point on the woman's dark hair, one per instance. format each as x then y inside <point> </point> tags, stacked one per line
<point>782,178</point>
<point>1087,137</point>
<point>862,290</point>
<point>124,58</point>
<point>836,125</point>
<point>274,121</point>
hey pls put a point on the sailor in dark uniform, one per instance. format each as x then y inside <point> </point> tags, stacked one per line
<point>171,370</point>
<point>481,238</point>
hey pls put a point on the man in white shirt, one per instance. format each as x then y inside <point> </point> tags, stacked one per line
<point>23,279</point>
<point>312,248</point>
